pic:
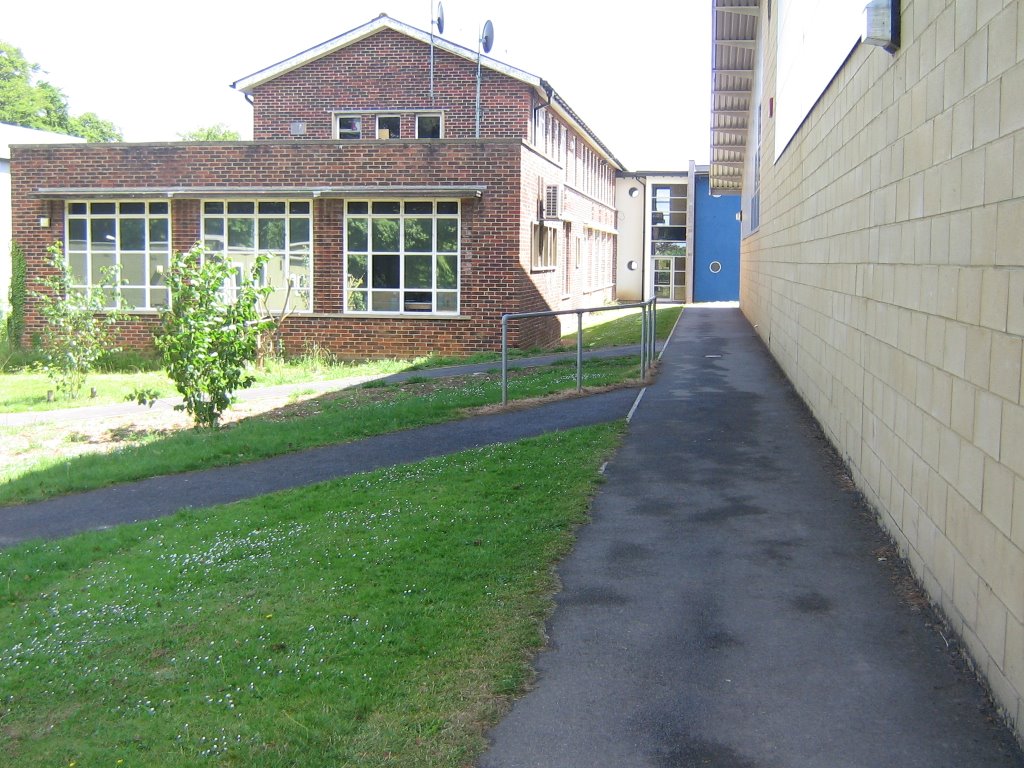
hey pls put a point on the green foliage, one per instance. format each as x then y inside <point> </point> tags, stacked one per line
<point>143,396</point>
<point>38,104</point>
<point>78,324</point>
<point>218,132</point>
<point>15,322</point>
<point>208,342</point>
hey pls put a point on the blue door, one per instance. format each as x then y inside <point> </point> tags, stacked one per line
<point>716,246</point>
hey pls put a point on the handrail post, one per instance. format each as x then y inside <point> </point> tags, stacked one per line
<point>579,351</point>
<point>643,341</point>
<point>504,359</point>
<point>654,328</point>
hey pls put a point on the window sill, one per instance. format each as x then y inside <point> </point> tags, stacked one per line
<point>542,270</point>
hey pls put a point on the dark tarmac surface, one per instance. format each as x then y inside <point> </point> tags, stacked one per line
<point>726,607</point>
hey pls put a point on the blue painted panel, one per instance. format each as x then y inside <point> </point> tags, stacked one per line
<point>716,241</point>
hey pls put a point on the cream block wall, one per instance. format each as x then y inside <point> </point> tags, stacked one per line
<point>887,277</point>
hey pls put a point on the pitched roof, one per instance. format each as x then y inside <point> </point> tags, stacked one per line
<point>383,21</point>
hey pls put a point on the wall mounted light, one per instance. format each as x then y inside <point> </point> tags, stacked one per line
<point>44,222</point>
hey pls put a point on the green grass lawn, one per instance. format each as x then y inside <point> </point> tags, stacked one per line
<point>616,328</point>
<point>353,414</point>
<point>380,620</point>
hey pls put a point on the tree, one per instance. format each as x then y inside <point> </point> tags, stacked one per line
<point>207,340</point>
<point>33,103</point>
<point>79,324</point>
<point>218,132</point>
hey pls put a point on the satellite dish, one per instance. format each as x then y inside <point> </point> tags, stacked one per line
<point>487,37</point>
<point>440,19</point>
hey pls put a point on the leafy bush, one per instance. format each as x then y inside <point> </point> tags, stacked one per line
<point>207,341</point>
<point>78,327</point>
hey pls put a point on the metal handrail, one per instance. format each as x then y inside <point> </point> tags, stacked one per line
<point>648,337</point>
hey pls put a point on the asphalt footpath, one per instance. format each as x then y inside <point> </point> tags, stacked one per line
<point>733,604</point>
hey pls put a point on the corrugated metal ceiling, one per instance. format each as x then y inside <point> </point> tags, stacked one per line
<point>734,37</point>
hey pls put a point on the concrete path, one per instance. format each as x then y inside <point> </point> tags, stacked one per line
<point>726,607</point>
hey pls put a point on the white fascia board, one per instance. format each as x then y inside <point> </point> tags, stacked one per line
<point>246,84</point>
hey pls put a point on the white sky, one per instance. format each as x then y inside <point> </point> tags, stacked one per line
<point>637,73</point>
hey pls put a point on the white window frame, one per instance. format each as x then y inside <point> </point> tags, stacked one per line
<point>440,124</point>
<point>388,116</point>
<point>361,295</point>
<point>338,116</point>
<point>300,297</point>
<point>544,239</point>
<point>83,257</point>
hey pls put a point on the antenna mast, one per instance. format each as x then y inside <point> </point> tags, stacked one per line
<point>486,41</point>
<point>439,23</point>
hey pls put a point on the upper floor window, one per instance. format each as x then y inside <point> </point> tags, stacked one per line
<point>389,127</point>
<point>544,245</point>
<point>240,229</point>
<point>428,126</point>
<point>348,126</point>
<point>130,239</point>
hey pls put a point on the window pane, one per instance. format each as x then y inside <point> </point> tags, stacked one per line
<point>448,207</point>
<point>76,234</point>
<point>447,271</point>
<point>102,235</point>
<point>133,234</point>
<point>357,270</point>
<point>447,301</point>
<point>419,206</point>
<point>77,262</point>
<point>213,208</point>
<point>103,208</point>
<point>385,234</point>
<point>133,207</point>
<point>79,209</point>
<point>385,301</point>
<point>356,301</point>
<point>385,271</point>
<point>447,235</point>
<point>134,297</point>
<point>133,268</point>
<point>240,234</point>
<point>418,271</point>
<point>349,127</point>
<point>389,127</point>
<point>358,206</point>
<point>419,235</point>
<point>158,231</point>
<point>298,234</point>
<point>272,207</point>
<point>428,126</point>
<point>158,269</point>
<point>272,234</point>
<point>158,208</point>
<point>242,207</point>
<point>387,206</point>
<point>158,297</point>
<point>356,235</point>
<point>100,262</point>
<point>299,207</point>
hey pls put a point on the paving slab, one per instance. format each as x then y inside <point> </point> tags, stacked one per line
<point>726,606</point>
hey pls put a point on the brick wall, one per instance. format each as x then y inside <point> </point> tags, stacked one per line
<point>887,278</point>
<point>390,71</point>
<point>490,258</point>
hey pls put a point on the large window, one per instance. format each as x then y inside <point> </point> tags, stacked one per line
<point>402,256</point>
<point>126,240</point>
<point>544,248</point>
<point>240,229</point>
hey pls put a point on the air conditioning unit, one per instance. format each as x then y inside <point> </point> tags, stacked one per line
<point>552,201</point>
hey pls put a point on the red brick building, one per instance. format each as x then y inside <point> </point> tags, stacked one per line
<point>397,221</point>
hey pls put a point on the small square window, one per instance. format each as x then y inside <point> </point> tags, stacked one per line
<point>428,126</point>
<point>350,127</point>
<point>389,127</point>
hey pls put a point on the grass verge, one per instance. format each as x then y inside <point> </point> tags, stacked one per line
<point>348,415</point>
<point>379,620</point>
<point>616,328</point>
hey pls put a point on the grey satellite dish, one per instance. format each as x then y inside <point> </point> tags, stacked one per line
<point>487,38</point>
<point>440,19</point>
